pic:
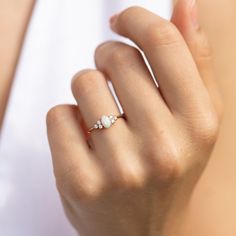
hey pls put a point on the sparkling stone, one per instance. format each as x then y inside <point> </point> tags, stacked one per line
<point>96,126</point>
<point>100,126</point>
<point>99,122</point>
<point>106,122</point>
<point>112,121</point>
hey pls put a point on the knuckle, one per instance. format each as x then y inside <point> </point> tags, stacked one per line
<point>163,33</point>
<point>56,114</point>
<point>208,130</point>
<point>129,13</point>
<point>166,164</point>
<point>123,55</point>
<point>85,81</point>
<point>129,181</point>
<point>79,187</point>
<point>129,177</point>
<point>86,193</point>
<point>171,169</point>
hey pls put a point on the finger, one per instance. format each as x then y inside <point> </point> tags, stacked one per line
<point>92,93</point>
<point>169,57</point>
<point>185,17</point>
<point>75,169</point>
<point>133,83</point>
<point>94,98</point>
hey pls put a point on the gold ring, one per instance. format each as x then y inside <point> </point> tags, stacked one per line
<point>105,122</point>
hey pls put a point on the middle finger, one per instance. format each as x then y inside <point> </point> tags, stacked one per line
<point>133,83</point>
<point>169,58</point>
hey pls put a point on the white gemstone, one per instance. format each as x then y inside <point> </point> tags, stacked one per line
<point>100,126</point>
<point>106,122</point>
<point>98,122</point>
<point>96,126</point>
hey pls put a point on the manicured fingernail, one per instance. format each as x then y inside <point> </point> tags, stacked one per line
<point>113,19</point>
<point>194,14</point>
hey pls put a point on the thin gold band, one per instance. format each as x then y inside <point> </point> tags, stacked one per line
<point>105,122</point>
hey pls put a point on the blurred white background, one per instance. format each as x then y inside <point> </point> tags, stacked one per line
<point>60,41</point>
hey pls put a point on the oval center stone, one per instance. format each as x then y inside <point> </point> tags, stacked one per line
<point>106,122</point>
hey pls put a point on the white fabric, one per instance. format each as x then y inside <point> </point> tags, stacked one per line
<point>60,41</point>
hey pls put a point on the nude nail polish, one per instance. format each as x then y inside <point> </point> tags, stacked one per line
<point>113,19</point>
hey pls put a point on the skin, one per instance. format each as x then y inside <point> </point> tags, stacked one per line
<point>138,178</point>
<point>14,17</point>
<point>211,208</point>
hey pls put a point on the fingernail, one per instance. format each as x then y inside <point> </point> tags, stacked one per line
<point>113,19</point>
<point>194,14</point>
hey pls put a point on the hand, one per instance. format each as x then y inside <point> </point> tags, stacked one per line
<point>136,178</point>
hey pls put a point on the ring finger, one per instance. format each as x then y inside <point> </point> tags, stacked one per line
<point>94,98</point>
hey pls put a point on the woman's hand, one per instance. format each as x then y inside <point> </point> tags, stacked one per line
<point>136,178</point>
